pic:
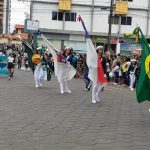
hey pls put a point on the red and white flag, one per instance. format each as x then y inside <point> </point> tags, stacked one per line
<point>96,72</point>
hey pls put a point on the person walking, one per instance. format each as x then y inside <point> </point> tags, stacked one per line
<point>64,59</point>
<point>10,66</point>
<point>132,73</point>
<point>38,72</point>
<point>98,86</point>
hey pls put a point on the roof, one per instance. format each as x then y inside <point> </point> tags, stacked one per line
<point>19,26</point>
<point>24,36</point>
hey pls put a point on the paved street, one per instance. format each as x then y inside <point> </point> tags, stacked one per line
<point>42,119</point>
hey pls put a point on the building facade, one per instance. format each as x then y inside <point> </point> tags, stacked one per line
<point>1,15</point>
<point>62,27</point>
<point>5,6</point>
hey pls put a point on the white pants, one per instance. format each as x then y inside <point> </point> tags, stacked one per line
<point>132,80</point>
<point>96,90</point>
<point>64,87</point>
<point>38,75</point>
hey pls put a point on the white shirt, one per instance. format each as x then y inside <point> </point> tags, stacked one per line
<point>10,59</point>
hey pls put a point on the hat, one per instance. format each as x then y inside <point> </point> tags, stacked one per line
<point>39,48</point>
<point>133,60</point>
<point>68,47</point>
<point>99,47</point>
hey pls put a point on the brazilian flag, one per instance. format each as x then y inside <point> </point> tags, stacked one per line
<point>143,86</point>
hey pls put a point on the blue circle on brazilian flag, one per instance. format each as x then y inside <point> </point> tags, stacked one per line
<point>147,66</point>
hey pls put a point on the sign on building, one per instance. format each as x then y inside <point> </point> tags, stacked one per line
<point>31,25</point>
<point>65,5</point>
<point>121,8</point>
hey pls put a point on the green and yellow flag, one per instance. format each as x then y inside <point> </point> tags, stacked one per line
<point>143,86</point>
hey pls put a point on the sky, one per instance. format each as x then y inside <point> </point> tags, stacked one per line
<point>18,11</point>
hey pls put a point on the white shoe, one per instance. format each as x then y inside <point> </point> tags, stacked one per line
<point>36,86</point>
<point>93,101</point>
<point>97,99</point>
<point>40,85</point>
<point>62,92</point>
<point>131,89</point>
<point>86,89</point>
<point>69,91</point>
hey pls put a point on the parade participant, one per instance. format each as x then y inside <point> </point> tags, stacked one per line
<point>96,64</point>
<point>62,64</point>
<point>39,74</point>
<point>132,73</point>
<point>10,65</point>
<point>101,70</point>
<point>65,58</point>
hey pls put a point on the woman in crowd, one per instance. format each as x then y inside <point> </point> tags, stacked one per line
<point>19,60</point>
<point>10,65</point>
<point>132,72</point>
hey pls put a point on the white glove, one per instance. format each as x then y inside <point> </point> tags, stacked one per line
<point>105,76</point>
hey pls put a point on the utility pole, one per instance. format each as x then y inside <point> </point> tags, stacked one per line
<point>110,25</point>
<point>92,13</point>
<point>31,9</point>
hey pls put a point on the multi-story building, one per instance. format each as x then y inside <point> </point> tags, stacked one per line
<point>62,28</point>
<point>4,16</point>
<point>1,15</point>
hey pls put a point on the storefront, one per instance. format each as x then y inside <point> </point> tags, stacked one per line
<point>103,40</point>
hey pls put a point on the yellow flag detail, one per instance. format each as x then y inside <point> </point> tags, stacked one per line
<point>147,66</point>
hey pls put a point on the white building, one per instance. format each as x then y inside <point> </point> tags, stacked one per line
<point>62,28</point>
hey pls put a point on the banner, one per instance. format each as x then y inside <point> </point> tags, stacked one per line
<point>127,49</point>
<point>3,66</point>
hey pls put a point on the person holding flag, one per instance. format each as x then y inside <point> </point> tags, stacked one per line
<point>94,62</point>
<point>65,58</point>
<point>39,73</point>
<point>98,85</point>
<point>64,71</point>
<point>143,85</point>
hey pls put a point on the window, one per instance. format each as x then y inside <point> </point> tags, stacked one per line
<point>67,17</point>
<point>126,20</point>
<point>60,16</point>
<point>128,0</point>
<point>73,17</point>
<point>70,17</point>
<point>54,15</point>
<point>57,15</point>
<point>115,20</point>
